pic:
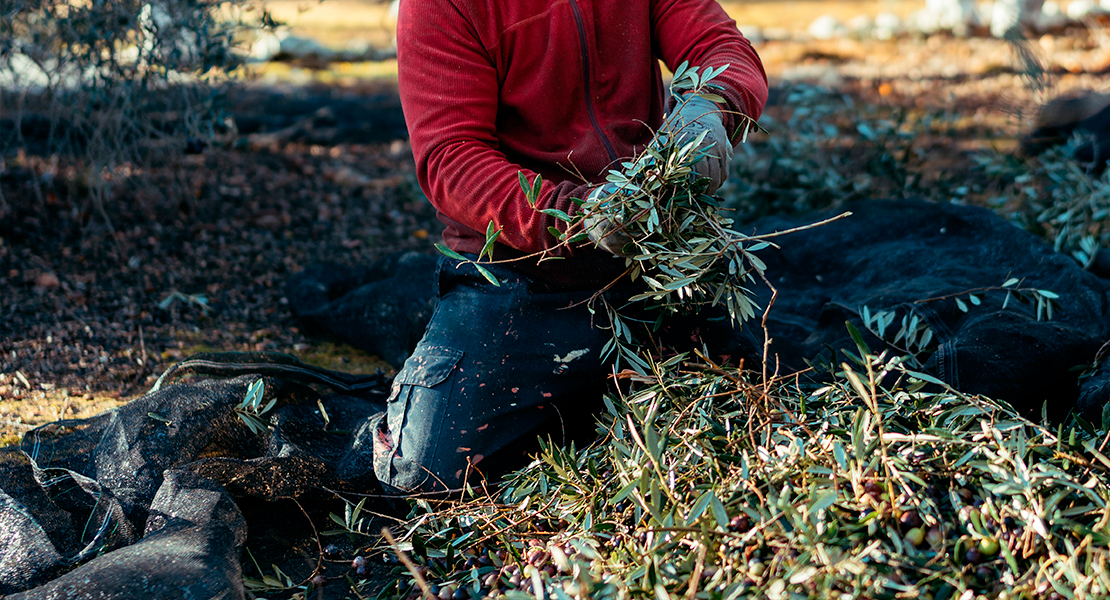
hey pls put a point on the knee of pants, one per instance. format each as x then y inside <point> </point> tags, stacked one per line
<point>444,426</point>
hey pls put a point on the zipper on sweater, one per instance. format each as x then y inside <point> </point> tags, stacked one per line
<point>586,79</point>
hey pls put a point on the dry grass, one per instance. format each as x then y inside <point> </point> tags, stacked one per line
<point>338,73</point>
<point>26,403</point>
<point>24,406</point>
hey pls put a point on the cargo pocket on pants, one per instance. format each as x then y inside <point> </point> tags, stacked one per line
<point>414,419</point>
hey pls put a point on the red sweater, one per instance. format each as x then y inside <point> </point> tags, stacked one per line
<point>564,88</point>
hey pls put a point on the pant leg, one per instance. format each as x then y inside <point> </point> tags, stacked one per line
<point>497,366</point>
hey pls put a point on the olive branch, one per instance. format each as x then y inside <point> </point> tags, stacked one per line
<point>916,339</point>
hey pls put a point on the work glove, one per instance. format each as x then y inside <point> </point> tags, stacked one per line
<point>692,117</point>
<point>604,232</point>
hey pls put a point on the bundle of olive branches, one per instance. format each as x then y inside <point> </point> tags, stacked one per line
<point>681,245</point>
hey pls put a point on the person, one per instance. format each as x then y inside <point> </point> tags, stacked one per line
<point>565,89</point>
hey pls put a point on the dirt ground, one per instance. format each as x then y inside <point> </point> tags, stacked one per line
<point>193,258</point>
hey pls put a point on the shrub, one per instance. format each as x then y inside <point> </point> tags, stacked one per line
<point>104,89</point>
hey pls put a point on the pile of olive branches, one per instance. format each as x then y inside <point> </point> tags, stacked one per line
<point>704,484</point>
<point>868,487</point>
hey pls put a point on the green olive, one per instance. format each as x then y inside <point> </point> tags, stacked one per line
<point>756,567</point>
<point>988,546</point>
<point>915,536</point>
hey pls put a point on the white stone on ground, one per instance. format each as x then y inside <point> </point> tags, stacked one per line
<point>825,27</point>
<point>1050,18</point>
<point>888,25</point>
<point>754,33</point>
<point>270,44</point>
<point>861,26</point>
<point>1078,10</point>
<point>952,15</point>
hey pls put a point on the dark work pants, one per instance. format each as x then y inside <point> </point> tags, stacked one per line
<point>498,366</point>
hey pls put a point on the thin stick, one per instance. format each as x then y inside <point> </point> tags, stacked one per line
<point>142,347</point>
<point>800,227</point>
<point>763,325</point>
<point>695,577</point>
<point>970,291</point>
<point>319,545</point>
<point>512,524</point>
<point>405,560</point>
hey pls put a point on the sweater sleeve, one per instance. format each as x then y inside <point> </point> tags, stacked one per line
<point>449,90</point>
<point>702,34</point>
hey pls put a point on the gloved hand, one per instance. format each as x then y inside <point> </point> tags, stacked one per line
<point>605,233</point>
<point>691,118</point>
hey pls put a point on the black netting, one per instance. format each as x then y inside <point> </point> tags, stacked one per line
<point>153,499</point>
<point>1086,115</point>
<point>919,258</point>
<point>382,308</point>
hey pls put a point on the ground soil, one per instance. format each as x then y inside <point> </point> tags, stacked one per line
<point>192,257</point>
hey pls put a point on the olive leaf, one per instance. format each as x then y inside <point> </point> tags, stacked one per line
<point>251,410</point>
<point>492,233</point>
